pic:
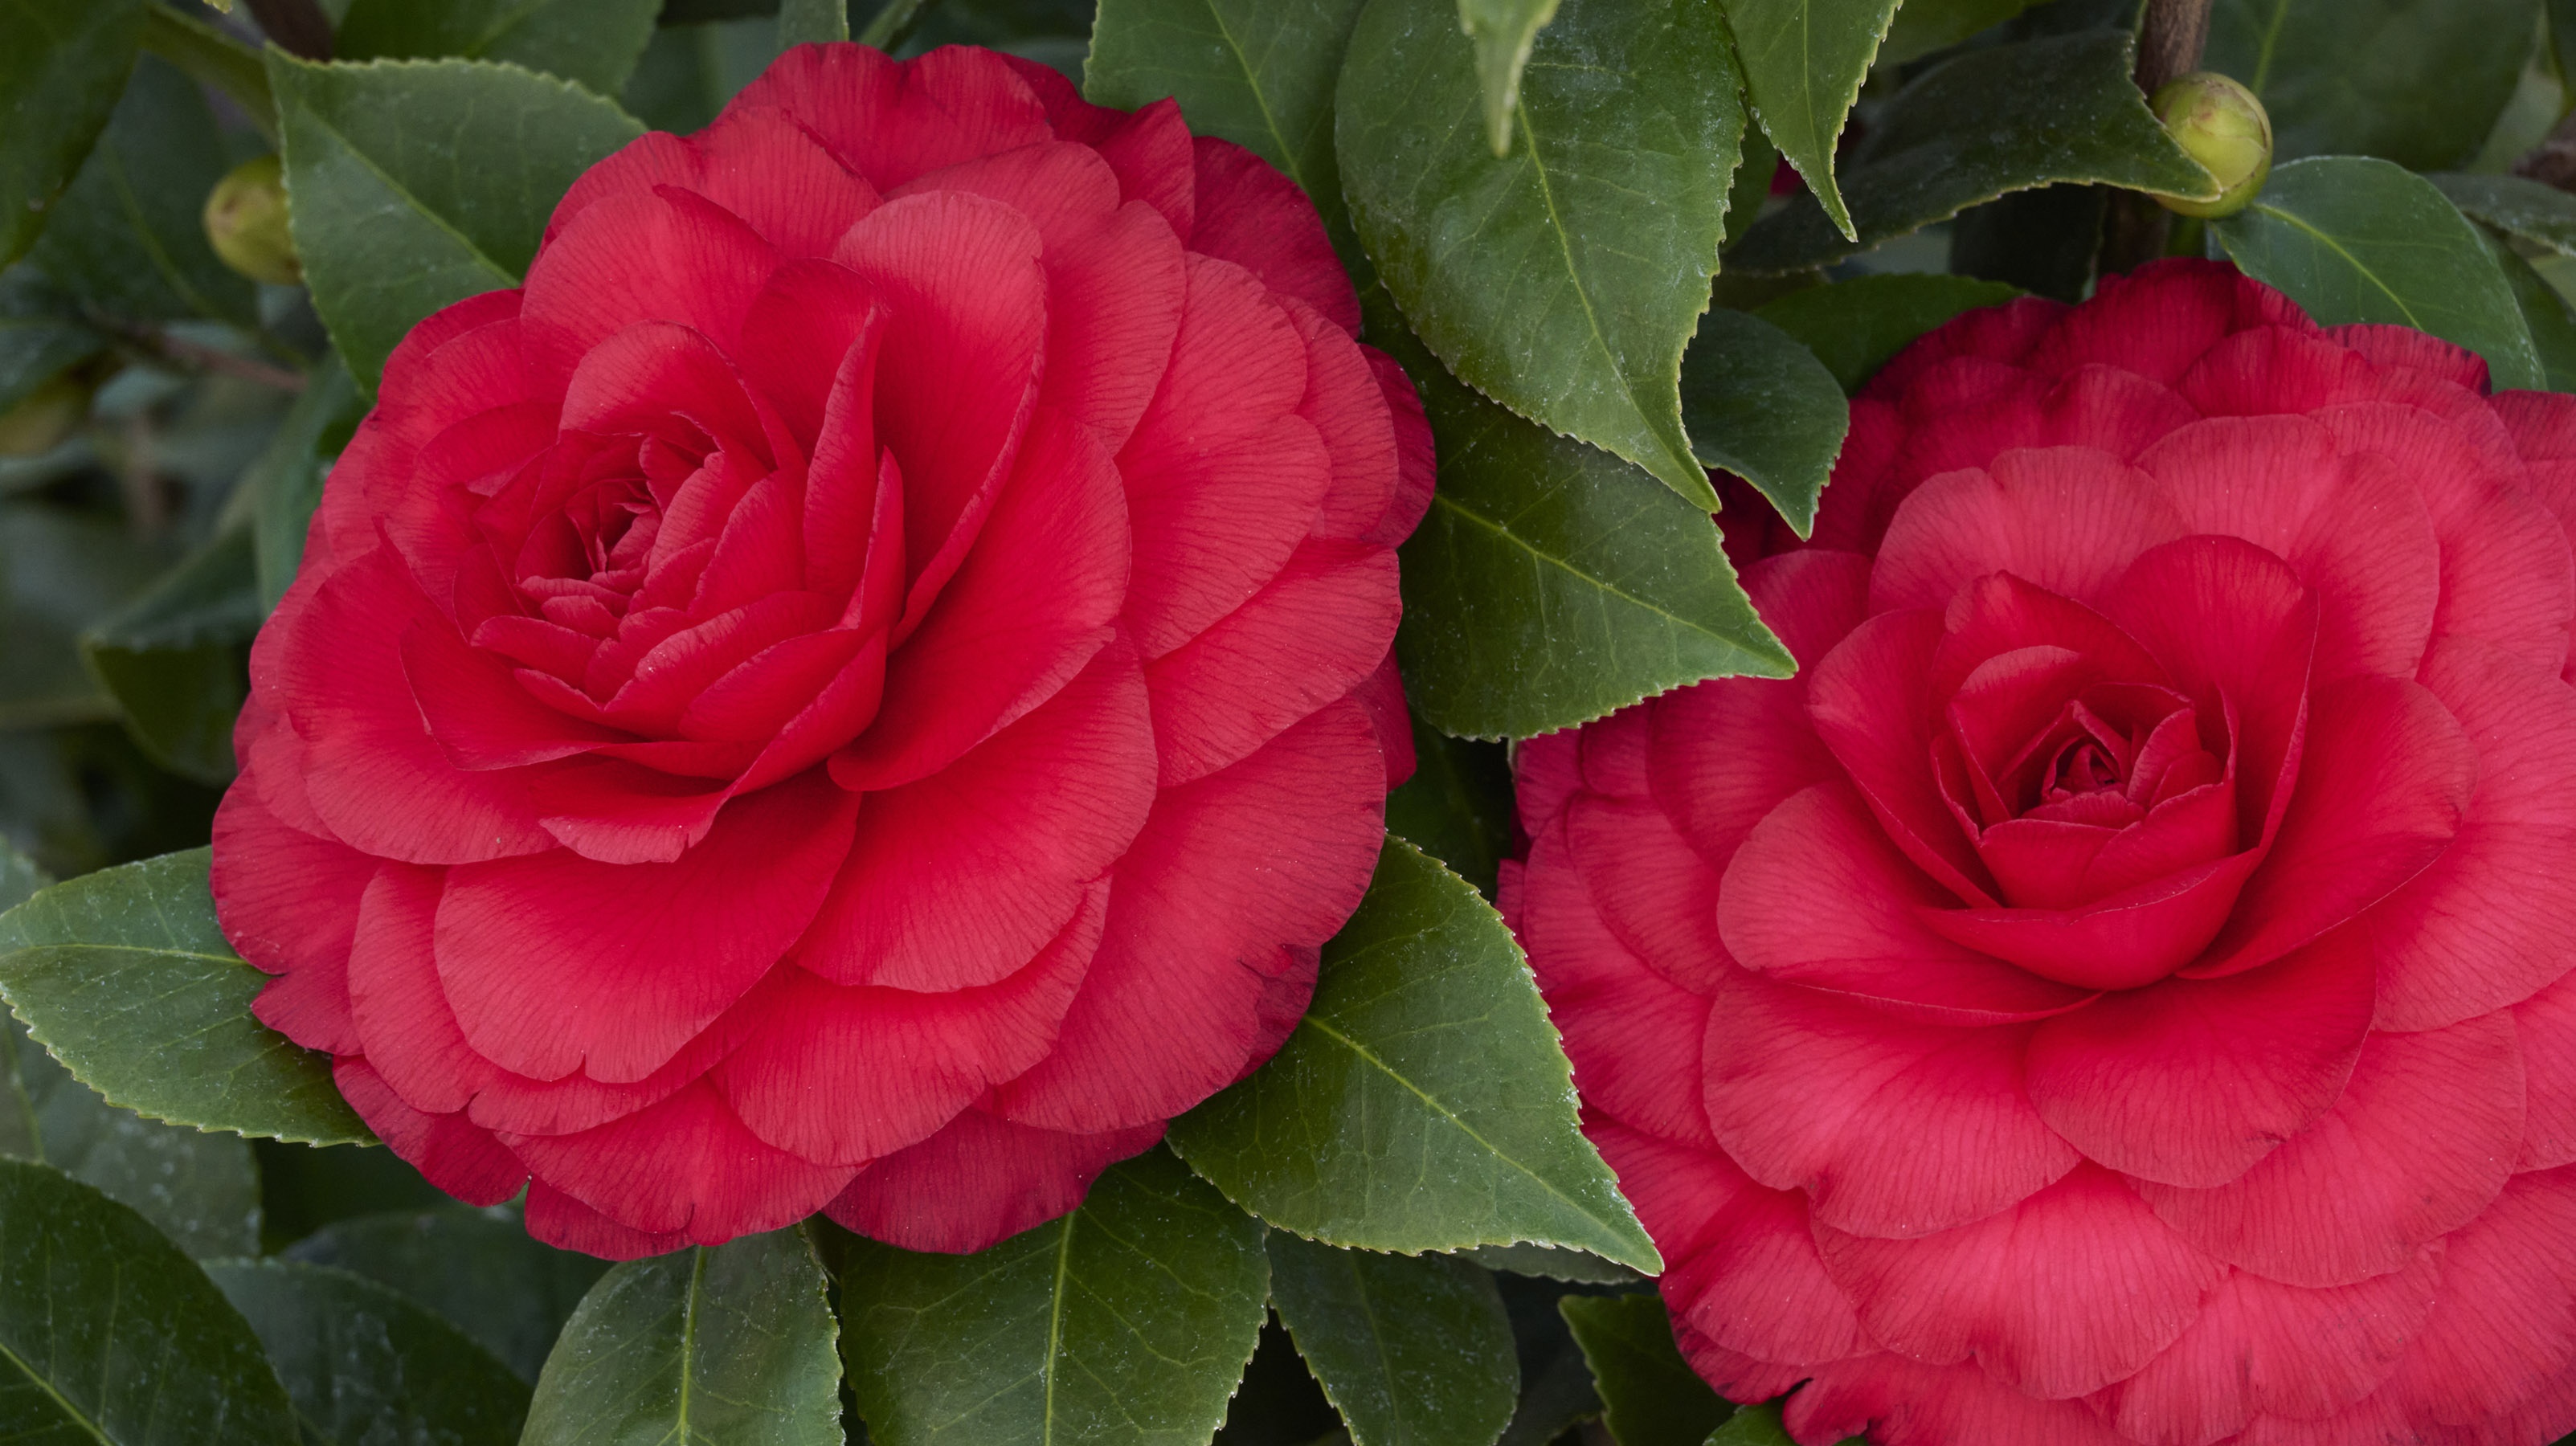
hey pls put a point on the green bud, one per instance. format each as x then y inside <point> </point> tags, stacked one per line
<point>246,221</point>
<point>2222,126</point>
<point>45,417</point>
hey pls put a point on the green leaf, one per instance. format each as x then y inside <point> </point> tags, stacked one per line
<point>62,66</point>
<point>420,183</point>
<point>1258,73</point>
<point>1503,33</point>
<point>1757,1425</point>
<point>363,1365</point>
<point>1760,405</point>
<point>1128,1320</point>
<point>1412,1350</point>
<point>1551,583</point>
<point>1457,806</point>
<point>1924,26</point>
<point>110,1336</point>
<point>124,975</point>
<point>60,572</point>
<point>1803,64</point>
<point>593,42</point>
<point>478,1268</point>
<point>2007,118</point>
<point>2515,206</point>
<point>212,57</point>
<point>176,657</point>
<point>41,334</point>
<point>1551,1263</point>
<point>1423,1103</point>
<point>727,1345</point>
<point>201,1190</point>
<point>2358,240</point>
<point>801,21</point>
<point>1855,326</point>
<point>129,238</point>
<point>286,479</point>
<point>1564,280</point>
<point>1649,1395</point>
<point>2419,84</point>
<point>2551,320</point>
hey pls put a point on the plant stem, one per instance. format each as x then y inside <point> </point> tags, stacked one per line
<point>2170,40</point>
<point>196,356</point>
<point>297,27</point>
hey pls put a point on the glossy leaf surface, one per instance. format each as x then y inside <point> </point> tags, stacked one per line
<point>1564,279</point>
<point>1128,1320</point>
<point>2007,118</point>
<point>1759,405</point>
<point>125,977</point>
<point>727,1345</point>
<point>1412,1350</point>
<point>594,42</point>
<point>1552,583</point>
<point>1423,1103</point>
<point>2414,83</point>
<point>62,64</point>
<point>478,1268</point>
<point>1649,1394</point>
<point>363,1365</point>
<point>110,1337</point>
<point>420,183</point>
<point>1803,64</point>
<point>2353,239</point>
<point>173,657</point>
<point>1854,326</point>
<point>128,238</point>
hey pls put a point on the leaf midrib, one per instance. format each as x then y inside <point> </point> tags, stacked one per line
<point>2349,259</point>
<point>404,193</point>
<point>73,1413</point>
<point>1364,1053</point>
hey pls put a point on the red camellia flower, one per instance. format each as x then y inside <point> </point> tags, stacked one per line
<point>2119,992</point>
<point>862,686</point>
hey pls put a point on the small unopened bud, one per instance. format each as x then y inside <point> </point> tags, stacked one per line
<point>45,417</point>
<point>246,221</point>
<point>2222,126</point>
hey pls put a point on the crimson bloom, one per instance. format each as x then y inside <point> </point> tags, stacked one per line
<point>2119,992</point>
<point>862,686</point>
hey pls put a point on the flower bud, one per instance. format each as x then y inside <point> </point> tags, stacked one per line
<point>246,221</point>
<point>45,417</point>
<point>2222,126</point>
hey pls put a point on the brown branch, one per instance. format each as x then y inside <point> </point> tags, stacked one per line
<point>2169,45</point>
<point>297,27</point>
<point>197,356</point>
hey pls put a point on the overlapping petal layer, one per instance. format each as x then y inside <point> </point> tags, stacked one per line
<point>2129,968</point>
<point>862,686</point>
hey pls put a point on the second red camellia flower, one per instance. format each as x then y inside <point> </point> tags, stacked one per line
<point>862,686</point>
<point>2120,991</point>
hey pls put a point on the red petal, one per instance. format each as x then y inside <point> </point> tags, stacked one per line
<point>2260,1346</point>
<point>371,769</point>
<point>1313,633</point>
<point>1633,1034</point>
<point>1871,701</point>
<point>1414,462</point>
<point>959,879</point>
<point>2069,520</point>
<point>1253,216</point>
<point>1740,1265</point>
<point>685,1166</point>
<point>2399,771</point>
<point>480,715</point>
<point>1892,1128</point>
<point>2545,1027</point>
<point>754,161</point>
<point>1898,1402</point>
<point>669,256</point>
<point>2190,1082</point>
<point>567,1224</point>
<point>1823,843</point>
<point>2419,1144</point>
<point>897,1065</point>
<point>556,963</point>
<point>2503,1326</point>
<point>288,901</point>
<point>2353,529</point>
<point>1224,479</point>
<point>449,1151</point>
<point>1235,881</point>
<point>980,1180</point>
<point>2025,1291</point>
<point>1028,610</point>
<point>1655,894</point>
<point>965,331</point>
<point>2488,922</point>
<point>893,120</point>
<point>2156,321</point>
